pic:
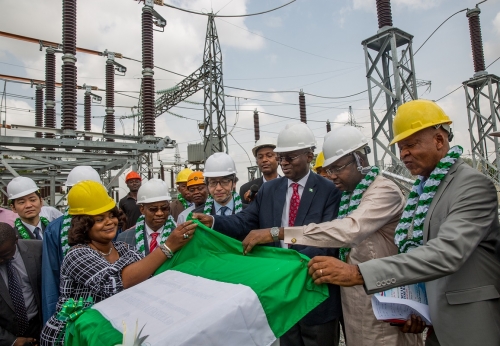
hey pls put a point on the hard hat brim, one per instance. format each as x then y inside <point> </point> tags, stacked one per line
<point>103,209</point>
<point>24,193</point>
<point>409,132</point>
<point>155,199</point>
<point>288,149</point>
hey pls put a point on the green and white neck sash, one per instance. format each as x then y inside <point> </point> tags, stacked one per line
<point>409,231</point>
<point>350,202</point>
<point>168,227</point>
<point>237,204</point>
<point>64,232</point>
<point>23,231</point>
<point>183,201</point>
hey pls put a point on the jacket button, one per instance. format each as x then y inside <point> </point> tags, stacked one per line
<point>378,284</point>
<point>393,280</point>
<point>294,240</point>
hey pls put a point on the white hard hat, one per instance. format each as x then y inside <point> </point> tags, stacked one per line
<point>294,137</point>
<point>342,141</point>
<point>263,142</point>
<point>81,173</point>
<point>219,165</point>
<point>154,190</point>
<point>20,187</point>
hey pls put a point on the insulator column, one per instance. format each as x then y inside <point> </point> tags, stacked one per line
<point>476,39</point>
<point>110,98</point>
<point>302,106</point>
<point>384,13</point>
<point>162,172</point>
<point>39,109</point>
<point>328,126</point>
<point>148,83</point>
<point>69,68</point>
<point>256,127</point>
<point>87,118</point>
<point>50,91</point>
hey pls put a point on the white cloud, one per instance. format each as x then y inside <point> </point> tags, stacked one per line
<point>274,21</point>
<point>496,23</point>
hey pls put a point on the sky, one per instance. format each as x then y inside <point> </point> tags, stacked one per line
<point>313,45</point>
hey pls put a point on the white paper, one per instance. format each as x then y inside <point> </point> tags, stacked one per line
<point>180,309</point>
<point>401,302</point>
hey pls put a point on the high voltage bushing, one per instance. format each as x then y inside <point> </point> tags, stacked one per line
<point>476,39</point>
<point>87,121</point>
<point>110,98</point>
<point>39,109</point>
<point>302,106</point>
<point>50,91</point>
<point>148,83</point>
<point>256,127</point>
<point>69,68</point>
<point>384,13</point>
<point>328,126</point>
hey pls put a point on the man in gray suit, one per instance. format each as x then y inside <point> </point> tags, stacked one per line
<point>20,302</point>
<point>453,236</point>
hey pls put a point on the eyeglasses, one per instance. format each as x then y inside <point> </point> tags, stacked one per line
<point>331,171</point>
<point>225,182</point>
<point>288,158</point>
<point>154,210</point>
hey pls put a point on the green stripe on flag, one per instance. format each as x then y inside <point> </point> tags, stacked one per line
<point>91,328</point>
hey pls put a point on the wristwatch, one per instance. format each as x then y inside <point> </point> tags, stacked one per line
<point>275,232</point>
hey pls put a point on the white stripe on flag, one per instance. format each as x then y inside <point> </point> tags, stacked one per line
<point>181,309</point>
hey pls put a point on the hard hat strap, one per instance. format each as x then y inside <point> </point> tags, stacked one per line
<point>363,170</point>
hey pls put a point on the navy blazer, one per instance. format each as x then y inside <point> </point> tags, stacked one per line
<point>319,203</point>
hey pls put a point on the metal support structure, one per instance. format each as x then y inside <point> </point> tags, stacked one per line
<point>390,73</point>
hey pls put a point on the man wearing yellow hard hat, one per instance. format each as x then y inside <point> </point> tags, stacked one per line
<point>183,200</point>
<point>318,166</point>
<point>447,237</point>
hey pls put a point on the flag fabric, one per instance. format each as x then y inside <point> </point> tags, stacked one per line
<point>207,294</point>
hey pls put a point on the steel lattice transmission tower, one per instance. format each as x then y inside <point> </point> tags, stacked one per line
<point>390,73</point>
<point>483,103</point>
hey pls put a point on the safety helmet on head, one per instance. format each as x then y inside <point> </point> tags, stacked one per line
<point>195,178</point>
<point>219,165</point>
<point>20,187</point>
<point>263,142</point>
<point>183,175</point>
<point>417,115</point>
<point>81,173</point>
<point>154,190</point>
<point>295,137</point>
<point>132,175</point>
<point>89,198</point>
<point>342,141</point>
<point>320,160</point>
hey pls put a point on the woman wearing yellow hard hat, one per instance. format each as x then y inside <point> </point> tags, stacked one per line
<point>96,266</point>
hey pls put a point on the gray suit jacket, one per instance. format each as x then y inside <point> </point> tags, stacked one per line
<point>459,261</point>
<point>129,237</point>
<point>31,253</point>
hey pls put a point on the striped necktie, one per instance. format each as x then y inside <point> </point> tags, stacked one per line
<point>16,295</point>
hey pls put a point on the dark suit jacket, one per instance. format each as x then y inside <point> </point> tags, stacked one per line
<point>319,203</point>
<point>129,237</point>
<point>245,187</point>
<point>31,253</point>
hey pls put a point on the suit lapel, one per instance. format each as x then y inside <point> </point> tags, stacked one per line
<point>279,201</point>
<point>146,243</point>
<point>306,199</point>
<point>442,187</point>
<point>31,268</point>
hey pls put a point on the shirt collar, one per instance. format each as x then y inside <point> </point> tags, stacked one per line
<point>149,230</point>
<point>230,205</point>
<point>302,182</point>
<point>31,227</point>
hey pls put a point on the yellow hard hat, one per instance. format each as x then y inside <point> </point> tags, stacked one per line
<point>182,176</point>
<point>89,198</point>
<point>320,160</point>
<point>417,115</point>
<point>195,178</point>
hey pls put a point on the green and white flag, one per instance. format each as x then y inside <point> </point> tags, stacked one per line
<point>208,294</point>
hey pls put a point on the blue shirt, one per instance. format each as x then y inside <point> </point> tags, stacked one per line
<point>230,205</point>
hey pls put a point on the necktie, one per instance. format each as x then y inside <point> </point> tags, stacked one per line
<point>16,294</point>
<point>294,205</point>
<point>36,232</point>
<point>223,210</point>
<point>153,243</point>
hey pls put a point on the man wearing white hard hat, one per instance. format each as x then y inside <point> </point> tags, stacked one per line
<point>55,245</point>
<point>299,198</point>
<point>371,207</point>
<point>155,224</point>
<point>26,201</point>
<point>264,154</point>
<point>220,177</point>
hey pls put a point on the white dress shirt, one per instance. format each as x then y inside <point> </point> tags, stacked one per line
<point>181,218</point>
<point>229,205</point>
<point>286,208</point>
<point>149,231</point>
<point>32,228</point>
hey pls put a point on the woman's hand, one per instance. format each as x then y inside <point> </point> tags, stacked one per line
<point>180,236</point>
